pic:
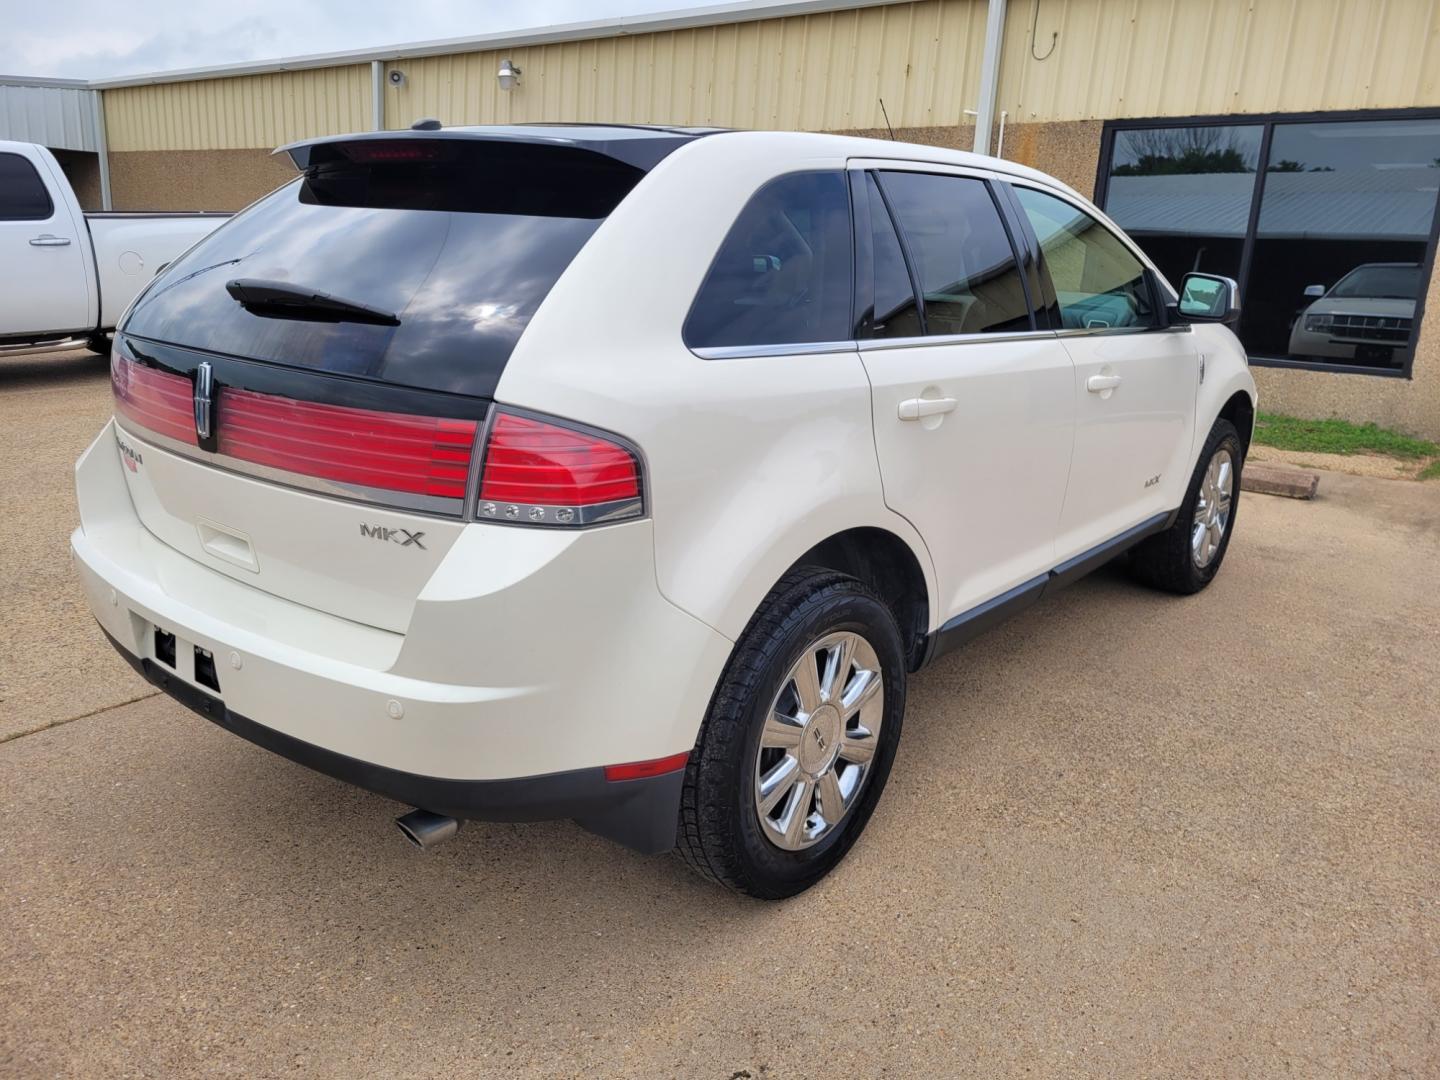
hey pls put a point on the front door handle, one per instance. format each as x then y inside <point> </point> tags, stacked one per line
<point>917,408</point>
<point>1098,384</point>
<point>46,240</point>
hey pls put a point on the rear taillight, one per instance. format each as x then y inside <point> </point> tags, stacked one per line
<point>543,473</point>
<point>155,400</point>
<point>535,472</point>
<point>419,455</point>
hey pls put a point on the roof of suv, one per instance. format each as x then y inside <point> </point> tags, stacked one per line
<point>645,145</point>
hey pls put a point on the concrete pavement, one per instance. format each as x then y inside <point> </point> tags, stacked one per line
<point>1126,835</point>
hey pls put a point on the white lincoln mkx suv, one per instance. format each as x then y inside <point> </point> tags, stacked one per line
<point>625,474</point>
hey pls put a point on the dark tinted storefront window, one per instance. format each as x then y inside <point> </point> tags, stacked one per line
<point>1332,258</point>
<point>1344,222</point>
<point>1185,194</point>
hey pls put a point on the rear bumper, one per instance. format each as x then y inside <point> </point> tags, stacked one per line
<point>526,668</point>
<point>641,814</point>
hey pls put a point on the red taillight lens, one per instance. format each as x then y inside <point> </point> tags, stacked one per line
<point>547,474</point>
<point>155,400</point>
<point>421,455</point>
<point>638,770</point>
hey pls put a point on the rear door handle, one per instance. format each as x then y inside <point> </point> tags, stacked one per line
<point>917,408</point>
<point>1098,384</point>
<point>46,240</point>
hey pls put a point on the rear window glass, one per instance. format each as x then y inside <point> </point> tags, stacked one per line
<point>22,193</point>
<point>460,240</point>
<point>783,274</point>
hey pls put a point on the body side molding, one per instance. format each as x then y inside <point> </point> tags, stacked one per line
<point>969,625</point>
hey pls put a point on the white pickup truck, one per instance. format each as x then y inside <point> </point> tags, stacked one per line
<point>66,275</point>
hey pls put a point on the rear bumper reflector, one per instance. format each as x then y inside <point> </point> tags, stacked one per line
<point>638,770</point>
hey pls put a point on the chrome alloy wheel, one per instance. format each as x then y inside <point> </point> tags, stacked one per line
<point>1212,508</point>
<point>819,741</point>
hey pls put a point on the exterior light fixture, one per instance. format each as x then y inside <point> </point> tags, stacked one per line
<point>509,75</point>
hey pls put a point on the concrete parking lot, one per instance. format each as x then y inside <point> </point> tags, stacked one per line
<point>1127,835</point>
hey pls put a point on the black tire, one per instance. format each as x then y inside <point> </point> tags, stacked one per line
<point>1164,561</point>
<point>99,344</point>
<point>719,834</point>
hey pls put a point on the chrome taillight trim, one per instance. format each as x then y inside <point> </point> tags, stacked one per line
<point>559,517</point>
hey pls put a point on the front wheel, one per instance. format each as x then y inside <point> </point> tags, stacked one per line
<point>799,739</point>
<point>1187,556</point>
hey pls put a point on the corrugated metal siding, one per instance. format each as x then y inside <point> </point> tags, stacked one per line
<point>1126,58</point>
<point>239,113</point>
<point>815,72</point>
<point>55,116</point>
<point>1113,58</point>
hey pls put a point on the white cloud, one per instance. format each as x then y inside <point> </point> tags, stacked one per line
<point>93,39</point>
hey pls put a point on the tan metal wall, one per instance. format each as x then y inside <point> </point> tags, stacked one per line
<point>251,111</point>
<point>1127,58</point>
<point>817,72</point>
<point>1112,58</point>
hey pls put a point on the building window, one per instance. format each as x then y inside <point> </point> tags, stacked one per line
<point>1325,221</point>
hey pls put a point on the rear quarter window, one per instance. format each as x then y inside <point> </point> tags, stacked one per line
<point>783,275</point>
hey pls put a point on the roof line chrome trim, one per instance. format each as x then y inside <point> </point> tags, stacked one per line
<point>878,344</point>
<point>1100,331</point>
<point>431,505</point>
<point>742,352</point>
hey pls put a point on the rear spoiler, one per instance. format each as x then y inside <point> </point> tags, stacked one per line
<point>643,151</point>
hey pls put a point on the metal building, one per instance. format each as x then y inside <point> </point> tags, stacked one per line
<point>66,115</point>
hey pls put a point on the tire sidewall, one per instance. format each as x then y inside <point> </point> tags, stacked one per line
<point>1222,435</point>
<point>771,870</point>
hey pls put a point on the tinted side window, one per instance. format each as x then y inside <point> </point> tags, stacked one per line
<point>783,274</point>
<point>961,254</point>
<point>22,193</point>
<point>896,312</point>
<point>1098,282</point>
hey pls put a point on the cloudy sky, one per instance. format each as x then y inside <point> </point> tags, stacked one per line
<point>93,39</point>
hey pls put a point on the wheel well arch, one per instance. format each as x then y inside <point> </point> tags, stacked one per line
<point>1240,411</point>
<point>889,566</point>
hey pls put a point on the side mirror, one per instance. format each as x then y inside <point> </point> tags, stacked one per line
<point>1314,292</point>
<point>1208,298</point>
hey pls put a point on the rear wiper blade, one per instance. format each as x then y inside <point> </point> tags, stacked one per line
<point>285,300</point>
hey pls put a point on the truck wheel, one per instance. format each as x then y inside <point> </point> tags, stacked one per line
<point>1186,557</point>
<point>99,344</point>
<point>799,738</point>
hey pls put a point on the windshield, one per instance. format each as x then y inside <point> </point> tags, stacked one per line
<point>1401,282</point>
<point>460,240</point>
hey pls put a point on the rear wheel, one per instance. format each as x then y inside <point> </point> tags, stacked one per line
<point>799,739</point>
<point>1187,556</point>
<point>99,344</point>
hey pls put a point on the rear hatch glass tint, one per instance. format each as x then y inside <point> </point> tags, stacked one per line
<point>459,239</point>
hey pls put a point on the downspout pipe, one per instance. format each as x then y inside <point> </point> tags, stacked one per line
<point>989,74</point>
<point>97,117</point>
<point>377,95</point>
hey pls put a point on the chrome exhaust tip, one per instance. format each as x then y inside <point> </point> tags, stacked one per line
<point>425,830</point>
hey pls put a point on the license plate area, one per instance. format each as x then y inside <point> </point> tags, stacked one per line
<point>175,655</point>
